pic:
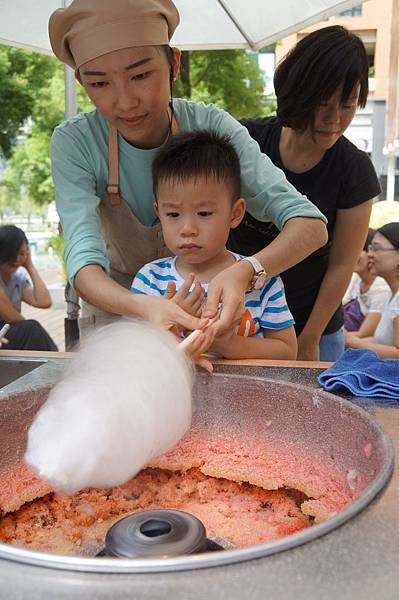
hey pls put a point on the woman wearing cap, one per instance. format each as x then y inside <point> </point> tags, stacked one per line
<point>101,163</point>
<point>384,257</point>
<point>318,85</point>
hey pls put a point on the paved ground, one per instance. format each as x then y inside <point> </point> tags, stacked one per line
<point>52,318</point>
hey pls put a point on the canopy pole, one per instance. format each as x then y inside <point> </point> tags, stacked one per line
<point>391,178</point>
<point>70,92</point>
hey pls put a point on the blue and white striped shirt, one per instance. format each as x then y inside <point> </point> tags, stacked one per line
<point>264,309</point>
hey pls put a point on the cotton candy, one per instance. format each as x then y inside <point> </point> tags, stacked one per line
<point>123,399</point>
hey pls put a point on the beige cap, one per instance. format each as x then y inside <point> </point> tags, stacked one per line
<point>87,29</point>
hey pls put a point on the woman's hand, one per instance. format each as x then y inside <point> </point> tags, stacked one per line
<point>228,290</point>
<point>166,314</point>
<point>28,261</point>
<point>308,347</point>
<point>190,302</point>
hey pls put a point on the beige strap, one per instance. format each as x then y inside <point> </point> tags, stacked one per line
<point>113,166</point>
<point>113,162</point>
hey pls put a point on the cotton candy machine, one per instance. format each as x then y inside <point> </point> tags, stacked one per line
<point>303,423</point>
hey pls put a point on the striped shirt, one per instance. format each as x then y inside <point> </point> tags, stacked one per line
<point>264,309</point>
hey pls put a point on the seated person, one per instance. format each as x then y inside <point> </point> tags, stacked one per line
<point>365,295</point>
<point>384,258</point>
<point>15,261</point>
<point>197,198</point>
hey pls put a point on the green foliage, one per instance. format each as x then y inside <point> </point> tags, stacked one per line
<point>231,79</point>
<point>28,171</point>
<point>22,76</point>
<point>32,105</point>
<point>57,244</point>
<point>41,99</point>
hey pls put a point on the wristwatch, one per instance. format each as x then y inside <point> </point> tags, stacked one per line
<point>260,276</point>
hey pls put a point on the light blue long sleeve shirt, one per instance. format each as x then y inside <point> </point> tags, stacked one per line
<point>79,155</point>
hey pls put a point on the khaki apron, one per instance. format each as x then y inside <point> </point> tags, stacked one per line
<point>129,243</point>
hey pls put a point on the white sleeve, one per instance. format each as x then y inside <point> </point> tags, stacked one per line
<point>377,294</point>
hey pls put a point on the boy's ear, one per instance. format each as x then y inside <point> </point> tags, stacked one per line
<point>156,208</point>
<point>237,212</point>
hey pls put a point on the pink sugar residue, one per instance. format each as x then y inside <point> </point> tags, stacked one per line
<point>241,487</point>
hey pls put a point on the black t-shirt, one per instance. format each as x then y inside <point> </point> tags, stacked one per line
<point>344,178</point>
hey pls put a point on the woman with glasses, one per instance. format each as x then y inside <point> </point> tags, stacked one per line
<point>365,295</point>
<point>384,257</point>
<point>319,86</point>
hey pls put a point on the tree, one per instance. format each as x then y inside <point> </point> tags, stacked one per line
<point>22,75</point>
<point>28,170</point>
<point>231,79</point>
<point>32,104</point>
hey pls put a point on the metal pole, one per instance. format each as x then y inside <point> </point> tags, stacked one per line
<point>71,296</point>
<point>70,92</point>
<point>391,178</point>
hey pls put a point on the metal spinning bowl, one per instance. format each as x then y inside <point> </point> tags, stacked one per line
<point>313,420</point>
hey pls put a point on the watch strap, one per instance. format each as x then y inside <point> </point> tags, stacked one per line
<point>257,266</point>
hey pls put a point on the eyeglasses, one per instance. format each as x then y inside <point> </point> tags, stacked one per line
<point>374,248</point>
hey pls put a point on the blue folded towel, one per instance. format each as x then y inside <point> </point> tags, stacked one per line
<point>364,374</point>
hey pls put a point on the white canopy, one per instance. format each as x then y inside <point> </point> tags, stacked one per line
<point>205,24</point>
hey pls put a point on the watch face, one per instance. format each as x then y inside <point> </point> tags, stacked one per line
<point>260,280</point>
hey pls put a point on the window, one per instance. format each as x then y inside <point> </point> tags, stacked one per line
<point>356,11</point>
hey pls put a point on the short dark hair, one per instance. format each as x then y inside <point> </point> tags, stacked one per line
<point>314,69</point>
<point>11,240</point>
<point>198,154</point>
<point>370,234</point>
<point>390,231</point>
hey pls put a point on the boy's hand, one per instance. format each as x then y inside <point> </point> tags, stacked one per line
<point>221,342</point>
<point>190,302</point>
<point>200,344</point>
<point>3,341</point>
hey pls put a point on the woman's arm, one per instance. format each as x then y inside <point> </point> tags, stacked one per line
<point>349,233</point>
<point>384,351</point>
<point>97,288</point>
<point>368,326</point>
<point>298,238</point>
<point>37,295</point>
<point>8,312</point>
<point>270,198</point>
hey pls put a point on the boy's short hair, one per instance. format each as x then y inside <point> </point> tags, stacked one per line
<point>314,69</point>
<point>198,154</point>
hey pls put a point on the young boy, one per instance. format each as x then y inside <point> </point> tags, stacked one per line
<point>197,187</point>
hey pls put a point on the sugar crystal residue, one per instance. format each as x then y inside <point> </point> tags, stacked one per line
<point>234,515</point>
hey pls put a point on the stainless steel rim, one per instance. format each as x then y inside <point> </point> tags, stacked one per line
<point>216,559</point>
